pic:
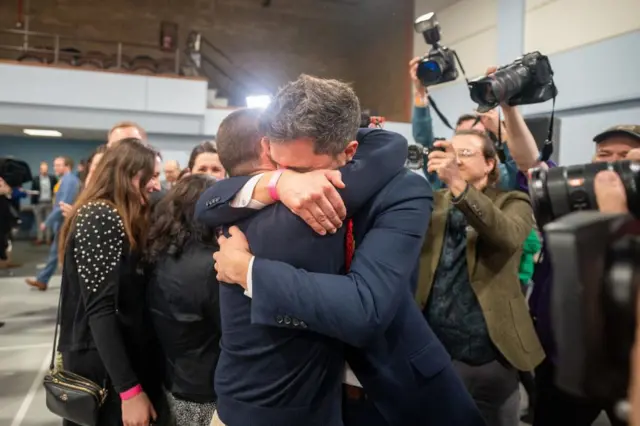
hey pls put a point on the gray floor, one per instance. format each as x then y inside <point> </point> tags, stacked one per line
<point>25,347</point>
<point>25,342</point>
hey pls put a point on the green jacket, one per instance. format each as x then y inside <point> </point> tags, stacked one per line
<point>499,223</point>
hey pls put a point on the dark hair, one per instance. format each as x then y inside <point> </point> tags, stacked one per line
<point>112,184</point>
<point>172,224</point>
<point>325,111</point>
<point>183,172</point>
<point>489,152</point>
<point>206,146</point>
<point>466,117</point>
<point>238,141</point>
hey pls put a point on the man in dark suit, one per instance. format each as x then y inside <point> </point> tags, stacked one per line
<point>406,373</point>
<point>270,376</point>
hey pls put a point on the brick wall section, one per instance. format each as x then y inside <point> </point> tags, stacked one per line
<point>365,43</point>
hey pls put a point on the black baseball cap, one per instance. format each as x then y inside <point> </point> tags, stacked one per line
<point>631,130</point>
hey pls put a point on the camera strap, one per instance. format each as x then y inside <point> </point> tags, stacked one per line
<point>547,149</point>
<point>435,106</point>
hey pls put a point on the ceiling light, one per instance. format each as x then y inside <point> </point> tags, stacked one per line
<point>258,101</point>
<point>42,132</point>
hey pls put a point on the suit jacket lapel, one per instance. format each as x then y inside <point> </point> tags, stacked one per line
<point>438,228</point>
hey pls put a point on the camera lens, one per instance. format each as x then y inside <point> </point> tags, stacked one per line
<point>482,93</point>
<point>562,190</point>
<point>540,202</point>
<point>430,70</point>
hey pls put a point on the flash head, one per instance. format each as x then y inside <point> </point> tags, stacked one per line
<point>428,25</point>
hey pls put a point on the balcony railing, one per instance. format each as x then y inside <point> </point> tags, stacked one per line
<point>89,53</point>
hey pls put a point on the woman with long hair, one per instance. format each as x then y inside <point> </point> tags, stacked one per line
<point>104,332</point>
<point>183,300</point>
<point>204,160</point>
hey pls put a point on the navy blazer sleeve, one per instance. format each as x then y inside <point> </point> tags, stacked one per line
<point>380,156</point>
<point>213,208</point>
<point>355,307</point>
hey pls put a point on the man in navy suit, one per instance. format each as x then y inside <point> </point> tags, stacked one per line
<point>274,376</point>
<point>406,373</point>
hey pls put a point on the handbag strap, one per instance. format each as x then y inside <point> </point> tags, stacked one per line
<point>55,333</point>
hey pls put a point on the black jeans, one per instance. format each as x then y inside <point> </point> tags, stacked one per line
<point>555,407</point>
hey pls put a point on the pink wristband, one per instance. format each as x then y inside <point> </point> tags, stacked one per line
<point>272,187</point>
<point>128,394</point>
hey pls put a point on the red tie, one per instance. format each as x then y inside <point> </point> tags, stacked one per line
<point>350,247</point>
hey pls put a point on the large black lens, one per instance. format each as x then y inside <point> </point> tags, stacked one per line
<point>481,92</point>
<point>562,190</point>
<point>430,70</point>
<point>509,82</point>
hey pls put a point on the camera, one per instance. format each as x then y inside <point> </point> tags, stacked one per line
<point>528,80</point>
<point>559,191</point>
<point>437,66</point>
<point>593,301</point>
<point>416,155</point>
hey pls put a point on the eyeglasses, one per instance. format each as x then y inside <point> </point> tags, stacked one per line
<point>466,153</point>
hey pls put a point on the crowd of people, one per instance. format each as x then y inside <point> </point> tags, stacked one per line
<point>296,274</point>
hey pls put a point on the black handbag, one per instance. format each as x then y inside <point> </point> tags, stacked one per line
<point>69,395</point>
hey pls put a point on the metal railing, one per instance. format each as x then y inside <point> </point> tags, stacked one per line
<point>50,45</point>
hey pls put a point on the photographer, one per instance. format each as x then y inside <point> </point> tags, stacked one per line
<point>520,152</point>
<point>554,406</point>
<point>468,286</point>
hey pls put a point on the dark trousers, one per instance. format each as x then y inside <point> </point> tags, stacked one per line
<point>495,389</point>
<point>361,412</point>
<point>555,407</point>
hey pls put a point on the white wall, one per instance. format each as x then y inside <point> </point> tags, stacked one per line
<point>87,89</point>
<point>579,127</point>
<point>593,50</point>
<point>558,25</point>
<point>469,27</point>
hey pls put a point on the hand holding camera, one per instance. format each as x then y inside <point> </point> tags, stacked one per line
<point>420,89</point>
<point>443,161</point>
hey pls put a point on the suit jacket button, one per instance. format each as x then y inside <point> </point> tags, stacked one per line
<point>279,319</point>
<point>215,200</point>
<point>287,320</point>
<point>296,322</point>
<point>303,324</point>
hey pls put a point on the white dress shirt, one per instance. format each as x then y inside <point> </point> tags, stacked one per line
<point>243,199</point>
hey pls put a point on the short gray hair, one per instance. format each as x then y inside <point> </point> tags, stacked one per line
<point>325,111</point>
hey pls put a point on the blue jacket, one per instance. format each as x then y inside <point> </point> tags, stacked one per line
<point>67,192</point>
<point>422,127</point>
<point>268,375</point>
<point>390,347</point>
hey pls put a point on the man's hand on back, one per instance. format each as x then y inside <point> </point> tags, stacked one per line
<point>313,197</point>
<point>233,258</point>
